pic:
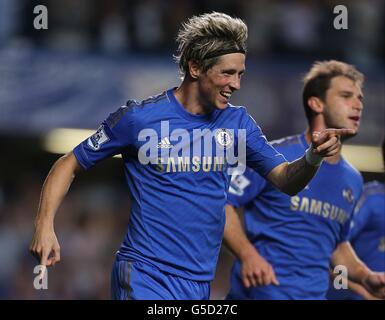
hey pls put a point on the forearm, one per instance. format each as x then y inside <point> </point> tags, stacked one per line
<point>54,189</point>
<point>344,255</point>
<point>298,175</point>
<point>234,235</point>
<point>358,272</point>
<point>292,177</point>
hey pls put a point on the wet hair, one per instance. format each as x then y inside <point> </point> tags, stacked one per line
<point>205,38</point>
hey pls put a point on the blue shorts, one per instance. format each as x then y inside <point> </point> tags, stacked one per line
<point>133,280</point>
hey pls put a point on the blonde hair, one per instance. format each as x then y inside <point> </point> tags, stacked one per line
<point>204,38</point>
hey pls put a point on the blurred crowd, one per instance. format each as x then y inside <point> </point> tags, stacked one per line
<point>276,28</point>
<point>90,226</point>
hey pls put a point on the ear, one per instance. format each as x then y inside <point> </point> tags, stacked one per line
<point>315,104</point>
<point>194,69</point>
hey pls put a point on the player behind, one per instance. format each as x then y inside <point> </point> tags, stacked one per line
<point>367,236</point>
<point>290,241</point>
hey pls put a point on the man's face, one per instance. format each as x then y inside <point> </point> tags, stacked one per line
<point>343,104</point>
<point>218,83</point>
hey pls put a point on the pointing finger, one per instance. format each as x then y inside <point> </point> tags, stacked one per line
<point>56,257</point>
<point>44,258</point>
<point>341,132</point>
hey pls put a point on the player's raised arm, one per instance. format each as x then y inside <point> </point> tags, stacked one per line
<point>294,176</point>
<point>56,185</point>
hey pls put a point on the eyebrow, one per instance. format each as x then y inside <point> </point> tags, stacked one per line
<point>361,95</point>
<point>231,70</point>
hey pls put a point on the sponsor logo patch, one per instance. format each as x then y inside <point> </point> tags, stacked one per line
<point>98,138</point>
<point>238,184</point>
<point>348,195</point>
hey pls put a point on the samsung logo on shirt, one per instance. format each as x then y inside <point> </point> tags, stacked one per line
<point>195,164</point>
<point>202,146</point>
<point>319,208</point>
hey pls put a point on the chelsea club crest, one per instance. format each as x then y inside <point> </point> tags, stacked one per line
<point>224,137</point>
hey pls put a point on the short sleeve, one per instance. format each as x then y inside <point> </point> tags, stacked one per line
<point>346,230</point>
<point>260,154</point>
<point>244,188</point>
<point>113,135</point>
<point>361,217</point>
<point>357,220</point>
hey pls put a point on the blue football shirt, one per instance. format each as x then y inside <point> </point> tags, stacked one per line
<point>177,215</point>
<point>367,233</point>
<point>297,234</point>
<point>368,228</point>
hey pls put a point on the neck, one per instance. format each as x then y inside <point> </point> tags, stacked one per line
<point>333,159</point>
<point>188,96</point>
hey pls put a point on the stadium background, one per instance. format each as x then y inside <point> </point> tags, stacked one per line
<point>97,54</point>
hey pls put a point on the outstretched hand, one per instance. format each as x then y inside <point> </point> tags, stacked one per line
<point>327,143</point>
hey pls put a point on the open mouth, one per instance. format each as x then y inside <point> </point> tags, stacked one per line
<point>227,95</point>
<point>355,118</point>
